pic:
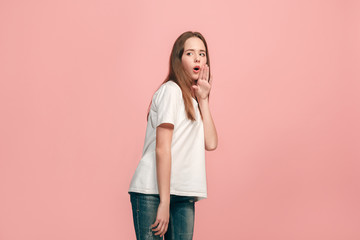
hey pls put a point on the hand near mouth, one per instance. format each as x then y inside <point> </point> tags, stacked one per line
<point>203,86</point>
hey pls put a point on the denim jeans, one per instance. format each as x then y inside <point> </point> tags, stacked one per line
<point>181,222</point>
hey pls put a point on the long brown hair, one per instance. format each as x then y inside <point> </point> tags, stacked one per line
<point>178,74</point>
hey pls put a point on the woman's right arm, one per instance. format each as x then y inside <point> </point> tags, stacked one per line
<point>164,134</point>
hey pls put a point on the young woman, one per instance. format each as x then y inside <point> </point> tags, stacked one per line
<point>171,174</point>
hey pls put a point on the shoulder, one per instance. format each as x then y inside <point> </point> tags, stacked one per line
<point>169,88</point>
<point>169,93</point>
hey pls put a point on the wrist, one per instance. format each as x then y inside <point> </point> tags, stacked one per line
<point>206,99</point>
<point>165,203</point>
<point>203,101</point>
<point>165,200</point>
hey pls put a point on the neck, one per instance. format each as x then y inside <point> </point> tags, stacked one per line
<point>192,93</point>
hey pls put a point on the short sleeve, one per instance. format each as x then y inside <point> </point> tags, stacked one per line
<point>166,102</point>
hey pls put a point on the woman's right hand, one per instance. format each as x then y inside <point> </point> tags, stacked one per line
<point>162,219</point>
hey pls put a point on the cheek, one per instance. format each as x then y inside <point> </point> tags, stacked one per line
<point>186,65</point>
<point>183,64</point>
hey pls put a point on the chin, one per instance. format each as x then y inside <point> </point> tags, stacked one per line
<point>195,78</point>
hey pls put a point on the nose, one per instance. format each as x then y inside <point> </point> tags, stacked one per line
<point>197,58</point>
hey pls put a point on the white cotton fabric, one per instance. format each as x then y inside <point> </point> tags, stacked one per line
<point>188,174</point>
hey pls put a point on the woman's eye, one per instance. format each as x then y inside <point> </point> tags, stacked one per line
<point>189,53</point>
<point>202,54</point>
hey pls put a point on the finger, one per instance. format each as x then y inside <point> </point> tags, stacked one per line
<point>202,69</point>
<point>158,232</point>
<point>207,72</point>
<point>158,227</point>
<point>161,229</point>
<point>155,223</point>
<point>195,87</point>
<point>200,73</point>
<point>165,229</point>
<point>210,80</point>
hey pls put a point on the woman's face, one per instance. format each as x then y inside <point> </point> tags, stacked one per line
<point>194,57</point>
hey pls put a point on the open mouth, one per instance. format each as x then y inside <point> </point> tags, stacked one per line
<point>196,69</point>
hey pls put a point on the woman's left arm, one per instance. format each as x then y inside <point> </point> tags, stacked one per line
<point>202,90</point>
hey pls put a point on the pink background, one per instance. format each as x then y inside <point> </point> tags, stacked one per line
<point>76,81</point>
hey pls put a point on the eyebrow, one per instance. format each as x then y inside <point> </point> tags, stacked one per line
<point>194,50</point>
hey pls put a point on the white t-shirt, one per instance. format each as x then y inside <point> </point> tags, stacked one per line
<point>188,174</point>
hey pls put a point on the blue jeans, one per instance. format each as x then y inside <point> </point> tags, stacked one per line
<point>181,222</point>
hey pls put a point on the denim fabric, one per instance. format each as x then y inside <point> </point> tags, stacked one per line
<point>181,222</point>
